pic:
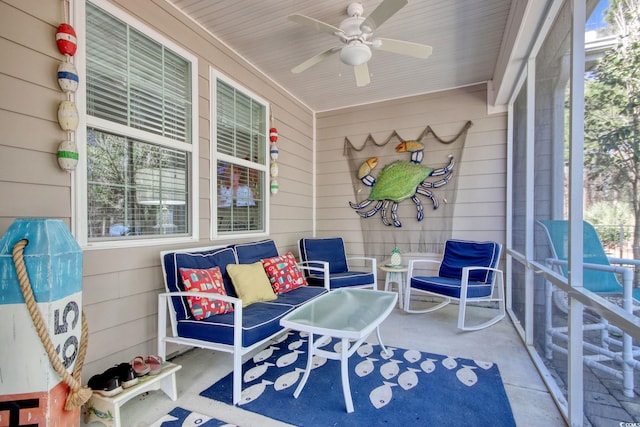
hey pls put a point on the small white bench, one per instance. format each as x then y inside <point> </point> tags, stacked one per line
<point>107,409</point>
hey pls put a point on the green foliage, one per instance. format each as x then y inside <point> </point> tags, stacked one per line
<point>607,218</point>
<point>612,112</point>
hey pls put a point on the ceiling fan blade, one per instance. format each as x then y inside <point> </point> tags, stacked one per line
<point>314,60</point>
<point>384,11</point>
<point>416,50</point>
<point>361,73</point>
<point>314,23</point>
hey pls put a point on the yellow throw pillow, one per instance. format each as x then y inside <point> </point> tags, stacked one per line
<point>251,283</point>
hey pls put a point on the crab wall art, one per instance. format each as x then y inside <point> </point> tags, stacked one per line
<point>399,181</point>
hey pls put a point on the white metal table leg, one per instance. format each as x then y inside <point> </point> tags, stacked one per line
<point>305,376</point>
<point>344,367</point>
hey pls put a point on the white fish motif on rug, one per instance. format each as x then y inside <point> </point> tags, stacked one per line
<point>449,363</point>
<point>467,376</point>
<point>408,379</point>
<point>253,392</point>
<point>390,369</point>
<point>388,354</point>
<point>256,372</point>
<point>484,365</point>
<point>296,344</point>
<point>288,379</point>
<point>428,365</point>
<point>265,354</point>
<point>381,396</point>
<point>365,350</point>
<point>288,359</point>
<point>318,361</point>
<point>365,367</point>
<point>412,356</point>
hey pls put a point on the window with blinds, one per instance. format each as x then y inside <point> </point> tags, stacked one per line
<point>240,158</point>
<point>139,142</point>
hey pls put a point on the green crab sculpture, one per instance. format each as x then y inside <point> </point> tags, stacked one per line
<point>399,181</point>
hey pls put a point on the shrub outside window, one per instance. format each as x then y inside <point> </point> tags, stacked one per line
<point>239,153</point>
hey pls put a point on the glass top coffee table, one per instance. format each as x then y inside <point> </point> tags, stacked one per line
<point>348,314</point>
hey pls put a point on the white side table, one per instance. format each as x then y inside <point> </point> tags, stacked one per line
<point>395,274</point>
<point>107,409</point>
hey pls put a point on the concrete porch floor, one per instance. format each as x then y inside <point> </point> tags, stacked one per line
<point>435,332</point>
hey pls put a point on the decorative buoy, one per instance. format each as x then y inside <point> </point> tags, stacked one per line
<point>274,152</point>
<point>68,77</point>
<point>68,116</point>
<point>274,169</point>
<point>274,186</point>
<point>67,155</point>
<point>273,135</point>
<point>66,39</point>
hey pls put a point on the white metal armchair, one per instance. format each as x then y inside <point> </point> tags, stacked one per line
<point>326,263</point>
<point>468,273</point>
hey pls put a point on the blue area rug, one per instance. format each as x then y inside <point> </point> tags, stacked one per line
<point>180,417</point>
<point>408,388</point>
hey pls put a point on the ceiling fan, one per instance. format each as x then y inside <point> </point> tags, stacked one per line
<point>356,35</point>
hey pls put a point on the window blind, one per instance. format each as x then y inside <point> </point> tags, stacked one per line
<point>134,80</point>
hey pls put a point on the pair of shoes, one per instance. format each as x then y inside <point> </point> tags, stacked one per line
<point>113,380</point>
<point>125,372</point>
<point>105,385</point>
<point>151,365</point>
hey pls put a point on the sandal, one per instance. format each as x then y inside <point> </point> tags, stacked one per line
<point>154,363</point>
<point>139,366</point>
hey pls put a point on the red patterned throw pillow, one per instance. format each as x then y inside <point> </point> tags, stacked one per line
<point>205,280</point>
<point>283,273</point>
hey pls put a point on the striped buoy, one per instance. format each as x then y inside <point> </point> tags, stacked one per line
<point>66,39</point>
<point>274,186</point>
<point>273,135</point>
<point>68,77</point>
<point>68,155</point>
<point>274,152</point>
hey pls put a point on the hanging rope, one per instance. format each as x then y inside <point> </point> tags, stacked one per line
<point>78,395</point>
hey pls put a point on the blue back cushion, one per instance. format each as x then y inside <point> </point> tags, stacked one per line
<point>330,250</point>
<point>204,259</point>
<point>248,253</point>
<point>463,253</point>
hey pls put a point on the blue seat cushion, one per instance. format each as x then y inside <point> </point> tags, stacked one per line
<point>462,253</point>
<point>299,296</point>
<point>259,320</point>
<point>248,253</point>
<point>342,280</point>
<point>450,286</point>
<point>202,259</point>
<point>330,250</point>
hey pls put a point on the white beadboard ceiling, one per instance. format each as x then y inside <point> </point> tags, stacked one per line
<point>466,36</point>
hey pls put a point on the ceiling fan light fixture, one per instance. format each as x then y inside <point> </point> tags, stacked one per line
<point>355,54</point>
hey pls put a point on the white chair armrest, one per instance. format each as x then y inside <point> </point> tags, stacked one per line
<point>466,270</point>
<point>414,262</point>
<point>305,265</point>
<point>624,261</point>
<point>164,304</point>
<point>373,263</point>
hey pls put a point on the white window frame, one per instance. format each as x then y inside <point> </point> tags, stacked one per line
<point>79,223</point>
<point>214,76</point>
